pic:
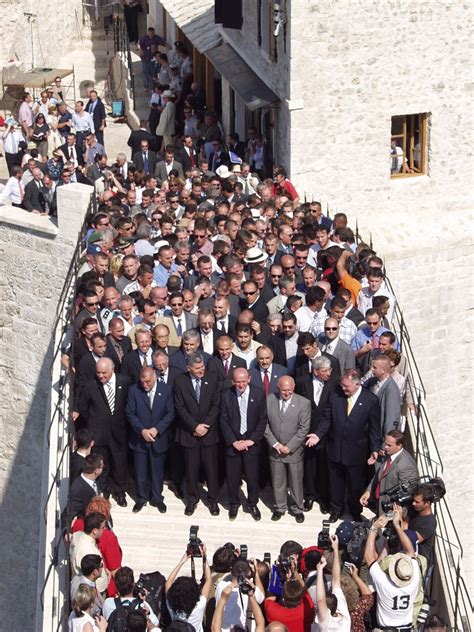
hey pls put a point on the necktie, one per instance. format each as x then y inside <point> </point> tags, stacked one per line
<point>350,405</point>
<point>374,341</point>
<point>179,328</point>
<point>191,157</point>
<point>119,351</point>
<point>145,163</point>
<point>222,326</point>
<point>150,397</point>
<point>161,377</point>
<point>266,382</point>
<point>246,187</point>
<point>387,466</point>
<point>110,397</point>
<point>243,414</point>
<point>197,389</point>
<point>283,406</point>
<point>96,489</point>
<point>226,367</point>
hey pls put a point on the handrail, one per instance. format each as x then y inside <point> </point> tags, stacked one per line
<point>448,547</point>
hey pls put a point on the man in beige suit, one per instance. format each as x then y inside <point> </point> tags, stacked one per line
<point>289,417</point>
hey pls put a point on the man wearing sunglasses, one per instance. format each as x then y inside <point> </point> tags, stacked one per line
<point>332,344</point>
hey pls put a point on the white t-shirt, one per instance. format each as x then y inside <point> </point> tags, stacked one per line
<point>76,624</point>
<point>196,616</point>
<point>394,603</point>
<point>235,610</point>
<point>341,622</point>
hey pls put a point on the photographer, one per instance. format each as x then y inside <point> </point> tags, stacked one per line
<point>422,521</point>
<point>125,582</point>
<point>396,589</point>
<point>332,608</point>
<point>295,609</point>
<point>235,609</point>
<point>254,607</point>
<point>184,599</point>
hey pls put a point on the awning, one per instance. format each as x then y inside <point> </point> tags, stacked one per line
<point>38,77</point>
<point>241,77</point>
<point>196,20</point>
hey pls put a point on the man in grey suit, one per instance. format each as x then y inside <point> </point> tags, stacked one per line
<point>181,320</point>
<point>163,167</point>
<point>287,287</point>
<point>388,393</point>
<point>331,343</point>
<point>266,373</point>
<point>397,467</point>
<point>289,418</point>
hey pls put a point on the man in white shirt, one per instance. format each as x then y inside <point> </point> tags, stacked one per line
<point>235,610</point>
<point>12,138</point>
<point>85,542</point>
<point>206,329</point>
<point>376,287</point>
<point>14,189</point>
<point>313,311</point>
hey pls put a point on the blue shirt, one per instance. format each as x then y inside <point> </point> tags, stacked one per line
<point>364,335</point>
<point>162,274</point>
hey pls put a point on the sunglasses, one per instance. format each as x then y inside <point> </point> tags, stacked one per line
<point>249,293</point>
<point>330,329</point>
<point>91,304</point>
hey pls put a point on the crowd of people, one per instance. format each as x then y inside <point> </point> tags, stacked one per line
<point>224,330</point>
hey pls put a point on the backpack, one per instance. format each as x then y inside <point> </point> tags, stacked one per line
<point>154,584</point>
<point>118,619</point>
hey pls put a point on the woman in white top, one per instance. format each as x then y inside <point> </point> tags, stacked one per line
<point>333,613</point>
<point>80,619</point>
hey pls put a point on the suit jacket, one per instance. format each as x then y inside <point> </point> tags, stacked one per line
<point>172,375</point>
<point>178,360</point>
<point>259,309</point>
<point>231,323</point>
<point>216,161</point>
<point>137,160</point>
<point>277,372</point>
<point>289,429</point>
<point>125,345</point>
<point>136,137</point>
<point>80,495</point>
<point>190,281</point>
<point>185,160</point>
<point>216,334</point>
<point>160,170</point>
<point>189,321</point>
<point>276,305</point>
<point>98,115</point>
<point>351,438</point>
<point>390,404</point>
<point>343,353</point>
<point>85,373</point>
<point>64,149</point>
<point>305,388</point>
<point>189,412</point>
<point>216,366</point>
<point>277,343</point>
<point>76,463</point>
<point>141,415</point>
<point>94,409</point>
<point>402,470</point>
<point>229,420</point>
<point>33,198</point>
<point>132,365</point>
<point>302,365</point>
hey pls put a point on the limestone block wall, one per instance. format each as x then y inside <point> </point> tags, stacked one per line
<point>34,258</point>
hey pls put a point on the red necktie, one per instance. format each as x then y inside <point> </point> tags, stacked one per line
<point>191,158</point>
<point>375,342</point>
<point>266,382</point>
<point>386,468</point>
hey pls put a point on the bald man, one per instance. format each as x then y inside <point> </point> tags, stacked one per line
<point>243,418</point>
<point>102,411</point>
<point>289,417</point>
<point>388,393</point>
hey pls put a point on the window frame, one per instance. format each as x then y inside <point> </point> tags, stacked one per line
<point>409,128</point>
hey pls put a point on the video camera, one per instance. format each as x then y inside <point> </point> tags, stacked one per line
<point>402,494</point>
<point>324,539</point>
<point>193,549</point>
<point>244,585</point>
<point>356,545</point>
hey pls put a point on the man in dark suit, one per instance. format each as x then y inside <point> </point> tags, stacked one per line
<point>207,330</point>
<point>386,389</point>
<point>196,401</point>
<point>351,422</point>
<point>165,373</point>
<point>70,151</point>
<point>187,156</point>
<point>285,343</point>
<point>83,444</point>
<point>218,157</point>
<point>396,467</point>
<point>308,349</point>
<point>223,363</point>
<point>86,369</point>
<point>225,321</point>
<point>118,344</point>
<point>135,360</point>
<point>254,302</point>
<point>331,343</point>
<point>33,199</point>
<point>243,419</point>
<point>150,413</point>
<point>189,344</point>
<point>317,387</point>
<point>164,166</point>
<point>102,407</point>
<point>145,158</point>
<point>137,136</point>
<point>96,109</point>
<point>84,488</point>
<point>266,373</point>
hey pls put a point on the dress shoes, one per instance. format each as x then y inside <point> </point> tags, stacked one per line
<point>323,508</point>
<point>299,518</point>
<point>120,499</point>
<point>333,517</point>
<point>255,513</point>
<point>233,511</point>
<point>276,515</point>
<point>190,509</point>
<point>160,505</point>
<point>214,509</point>
<point>138,507</point>
<point>308,505</point>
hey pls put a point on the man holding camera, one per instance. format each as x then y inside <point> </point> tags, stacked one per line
<point>396,467</point>
<point>422,521</point>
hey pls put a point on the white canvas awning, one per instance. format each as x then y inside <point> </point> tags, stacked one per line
<point>196,19</point>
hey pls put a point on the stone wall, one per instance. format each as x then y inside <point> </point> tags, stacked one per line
<point>34,258</point>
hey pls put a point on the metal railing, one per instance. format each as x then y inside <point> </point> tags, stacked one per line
<point>449,551</point>
<point>53,598</point>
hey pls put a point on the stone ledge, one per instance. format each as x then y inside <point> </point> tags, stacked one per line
<point>17,217</point>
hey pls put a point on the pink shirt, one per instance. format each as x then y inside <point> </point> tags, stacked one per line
<point>25,115</point>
